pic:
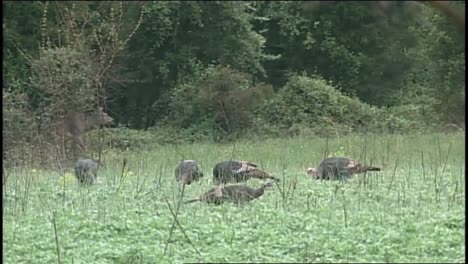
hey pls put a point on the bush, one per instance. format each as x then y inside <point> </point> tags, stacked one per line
<point>63,78</point>
<point>122,138</point>
<point>135,139</point>
<point>310,105</point>
<point>310,102</point>
<point>223,105</point>
<point>19,128</point>
<point>220,102</point>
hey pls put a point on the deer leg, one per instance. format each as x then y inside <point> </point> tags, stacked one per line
<point>80,144</point>
<point>61,148</point>
<point>77,145</point>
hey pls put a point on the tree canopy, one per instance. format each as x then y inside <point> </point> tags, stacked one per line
<point>230,67</point>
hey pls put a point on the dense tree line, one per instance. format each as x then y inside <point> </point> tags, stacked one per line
<point>227,68</point>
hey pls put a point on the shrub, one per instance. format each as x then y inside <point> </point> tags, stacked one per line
<point>313,103</point>
<point>19,127</point>
<point>122,138</point>
<point>64,78</point>
<point>220,102</point>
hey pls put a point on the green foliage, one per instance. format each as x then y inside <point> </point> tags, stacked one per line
<point>312,102</point>
<point>122,138</point>
<point>64,77</point>
<point>150,65</point>
<point>411,211</point>
<point>19,127</point>
<point>21,35</point>
<point>347,43</point>
<point>187,37</point>
<point>437,79</point>
<point>310,105</point>
<point>221,99</point>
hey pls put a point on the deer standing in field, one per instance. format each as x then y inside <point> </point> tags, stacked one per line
<point>73,125</point>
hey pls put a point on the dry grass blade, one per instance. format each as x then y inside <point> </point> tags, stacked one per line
<point>57,247</point>
<point>176,221</point>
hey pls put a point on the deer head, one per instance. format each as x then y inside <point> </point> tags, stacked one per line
<point>74,125</point>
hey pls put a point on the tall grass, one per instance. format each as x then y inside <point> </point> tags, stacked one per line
<point>411,211</point>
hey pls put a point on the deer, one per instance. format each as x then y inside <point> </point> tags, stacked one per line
<point>74,124</point>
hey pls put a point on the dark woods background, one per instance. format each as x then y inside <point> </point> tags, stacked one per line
<point>221,70</point>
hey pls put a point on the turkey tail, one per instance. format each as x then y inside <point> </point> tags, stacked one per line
<point>369,168</point>
<point>248,163</point>
<point>274,178</point>
<point>192,201</point>
<point>263,175</point>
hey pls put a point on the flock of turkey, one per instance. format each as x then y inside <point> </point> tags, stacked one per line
<point>239,171</point>
<point>235,171</point>
<point>224,172</point>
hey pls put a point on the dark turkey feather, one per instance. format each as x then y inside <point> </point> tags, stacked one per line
<point>339,168</point>
<point>242,193</point>
<point>214,195</point>
<point>238,171</point>
<point>235,193</point>
<point>188,171</point>
<point>86,171</point>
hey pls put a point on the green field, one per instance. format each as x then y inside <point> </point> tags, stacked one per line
<point>413,211</point>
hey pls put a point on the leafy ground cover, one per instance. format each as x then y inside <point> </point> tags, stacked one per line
<point>412,211</point>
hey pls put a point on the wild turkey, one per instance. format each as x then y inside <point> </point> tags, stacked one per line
<point>235,193</point>
<point>214,196</point>
<point>86,171</point>
<point>242,193</point>
<point>339,168</point>
<point>188,171</point>
<point>237,171</point>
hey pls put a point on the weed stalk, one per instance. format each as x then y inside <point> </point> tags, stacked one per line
<point>345,214</point>
<point>57,247</point>
<point>174,215</point>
